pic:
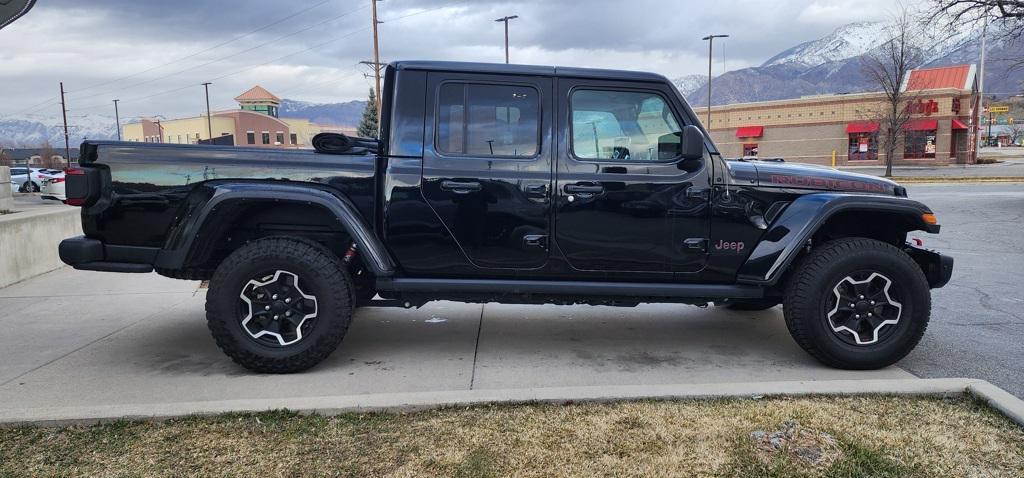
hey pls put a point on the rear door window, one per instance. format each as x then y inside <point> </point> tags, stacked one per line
<point>488,120</point>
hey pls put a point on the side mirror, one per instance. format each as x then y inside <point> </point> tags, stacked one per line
<point>692,143</point>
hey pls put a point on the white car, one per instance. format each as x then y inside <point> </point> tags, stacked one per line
<point>23,181</point>
<point>53,186</point>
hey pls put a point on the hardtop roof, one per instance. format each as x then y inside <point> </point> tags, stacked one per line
<point>537,70</point>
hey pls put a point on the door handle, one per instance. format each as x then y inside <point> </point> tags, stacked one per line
<point>537,190</point>
<point>585,188</point>
<point>461,186</point>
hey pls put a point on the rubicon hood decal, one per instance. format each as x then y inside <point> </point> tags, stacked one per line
<point>821,178</point>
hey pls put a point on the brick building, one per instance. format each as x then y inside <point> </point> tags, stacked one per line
<point>255,123</point>
<point>942,102</point>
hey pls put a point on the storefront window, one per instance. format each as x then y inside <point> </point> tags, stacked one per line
<point>919,144</point>
<point>863,146</point>
<point>749,150</point>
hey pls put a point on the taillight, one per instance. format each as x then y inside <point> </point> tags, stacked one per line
<point>56,180</point>
<point>76,196</point>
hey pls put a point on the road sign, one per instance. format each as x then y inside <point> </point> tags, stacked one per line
<point>998,109</point>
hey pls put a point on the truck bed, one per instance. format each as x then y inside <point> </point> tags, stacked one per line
<point>147,187</point>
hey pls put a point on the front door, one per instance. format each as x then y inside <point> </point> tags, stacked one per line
<point>487,166</point>
<point>626,202</point>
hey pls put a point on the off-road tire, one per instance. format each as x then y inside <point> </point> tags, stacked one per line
<point>812,283</point>
<point>318,268</point>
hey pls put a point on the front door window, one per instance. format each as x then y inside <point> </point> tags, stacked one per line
<point>623,126</point>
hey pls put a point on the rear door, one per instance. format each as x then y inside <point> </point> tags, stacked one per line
<point>487,165</point>
<point>626,201</point>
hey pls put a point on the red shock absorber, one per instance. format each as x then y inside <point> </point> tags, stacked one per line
<point>350,254</point>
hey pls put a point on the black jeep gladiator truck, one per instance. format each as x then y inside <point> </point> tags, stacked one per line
<point>512,184</point>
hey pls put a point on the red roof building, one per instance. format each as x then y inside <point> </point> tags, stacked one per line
<point>960,77</point>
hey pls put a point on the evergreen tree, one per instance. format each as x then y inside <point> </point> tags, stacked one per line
<point>369,124</point>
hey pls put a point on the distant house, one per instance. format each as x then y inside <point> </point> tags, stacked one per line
<point>33,156</point>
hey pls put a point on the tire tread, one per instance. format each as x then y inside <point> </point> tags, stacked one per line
<point>320,258</point>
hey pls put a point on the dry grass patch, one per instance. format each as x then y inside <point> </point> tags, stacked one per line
<point>856,436</point>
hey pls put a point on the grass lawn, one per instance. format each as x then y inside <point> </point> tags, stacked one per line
<point>841,437</point>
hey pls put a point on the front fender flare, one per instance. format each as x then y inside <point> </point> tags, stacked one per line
<point>183,240</point>
<point>781,243</point>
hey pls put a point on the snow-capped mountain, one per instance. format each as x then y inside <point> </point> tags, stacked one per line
<point>30,131</point>
<point>690,83</point>
<point>847,41</point>
<point>833,64</point>
<point>341,114</point>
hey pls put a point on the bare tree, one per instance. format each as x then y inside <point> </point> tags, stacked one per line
<point>5,160</point>
<point>1015,131</point>
<point>886,67</point>
<point>47,157</point>
<point>1008,15</point>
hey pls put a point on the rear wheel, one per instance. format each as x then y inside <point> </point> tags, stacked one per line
<point>29,187</point>
<point>279,305</point>
<point>857,303</point>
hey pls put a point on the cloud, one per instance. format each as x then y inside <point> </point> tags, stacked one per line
<point>154,55</point>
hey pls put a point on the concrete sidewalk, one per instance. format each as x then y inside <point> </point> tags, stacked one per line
<point>89,339</point>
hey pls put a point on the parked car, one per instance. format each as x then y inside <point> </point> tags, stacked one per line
<point>53,185</point>
<point>23,181</point>
<point>560,185</point>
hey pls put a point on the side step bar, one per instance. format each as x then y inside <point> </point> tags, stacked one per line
<point>541,287</point>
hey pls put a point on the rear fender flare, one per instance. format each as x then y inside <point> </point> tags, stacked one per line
<point>187,236</point>
<point>781,243</point>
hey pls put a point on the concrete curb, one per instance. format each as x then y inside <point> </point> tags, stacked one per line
<point>412,401</point>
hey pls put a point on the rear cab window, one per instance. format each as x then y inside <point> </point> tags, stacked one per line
<point>488,120</point>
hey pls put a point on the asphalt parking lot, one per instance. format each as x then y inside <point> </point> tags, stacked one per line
<point>977,326</point>
<point>86,338</point>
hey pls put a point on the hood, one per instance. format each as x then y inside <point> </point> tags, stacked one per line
<point>821,178</point>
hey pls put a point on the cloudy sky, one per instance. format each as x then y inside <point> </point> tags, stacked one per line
<point>153,55</point>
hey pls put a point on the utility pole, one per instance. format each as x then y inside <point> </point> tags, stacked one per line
<point>505,20</point>
<point>981,90</point>
<point>117,119</point>
<point>159,132</point>
<point>376,57</point>
<point>209,122</point>
<point>64,111</point>
<point>711,41</point>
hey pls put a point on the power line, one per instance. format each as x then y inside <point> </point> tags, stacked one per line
<point>194,54</point>
<point>313,47</point>
<point>145,82</point>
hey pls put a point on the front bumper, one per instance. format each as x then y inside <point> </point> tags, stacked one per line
<point>937,268</point>
<point>88,254</point>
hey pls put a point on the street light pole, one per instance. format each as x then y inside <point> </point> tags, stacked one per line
<point>117,118</point>
<point>711,40</point>
<point>209,122</point>
<point>505,20</point>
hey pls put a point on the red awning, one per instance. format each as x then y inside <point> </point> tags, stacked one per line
<point>749,131</point>
<point>922,125</point>
<point>866,127</point>
<point>957,124</point>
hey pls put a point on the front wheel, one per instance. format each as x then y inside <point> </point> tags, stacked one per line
<point>279,305</point>
<point>857,303</point>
